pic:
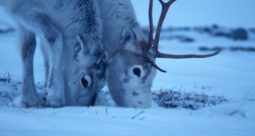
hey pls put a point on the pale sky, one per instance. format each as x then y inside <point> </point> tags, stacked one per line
<point>229,13</point>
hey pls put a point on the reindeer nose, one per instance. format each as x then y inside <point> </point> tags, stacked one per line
<point>93,100</point>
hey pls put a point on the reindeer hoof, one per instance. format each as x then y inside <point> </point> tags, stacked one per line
<point>53,103</point>
<point>34,101</point>
<point>54,99</point>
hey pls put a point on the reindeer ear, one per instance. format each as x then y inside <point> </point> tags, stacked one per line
<point>127,35</point>
<point>80,42</point>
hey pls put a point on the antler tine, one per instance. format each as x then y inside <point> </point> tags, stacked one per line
<point>179,57</point>
<point>116,52</point>
<point>155,65</point>
<point>165,7</point>
<point>102,54</point>
<point>162,55</point>
<point>151,40</point>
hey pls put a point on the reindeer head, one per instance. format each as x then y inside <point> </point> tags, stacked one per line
<point>90,72</point>
<point>130,73</point>
<point>132,66</point>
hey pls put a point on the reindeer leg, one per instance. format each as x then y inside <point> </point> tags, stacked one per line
<point>28,43</point>
<point>39,23</point>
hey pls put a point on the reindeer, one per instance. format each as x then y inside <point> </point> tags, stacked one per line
<point>132,55</point>
<point>70,34</point>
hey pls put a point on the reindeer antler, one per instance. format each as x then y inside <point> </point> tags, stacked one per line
<point>102,54</point>
<point>115,52</point>
<point>165,7</point>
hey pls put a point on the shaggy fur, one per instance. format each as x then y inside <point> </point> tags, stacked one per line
<point>130,74</point>
<point>70,33</point>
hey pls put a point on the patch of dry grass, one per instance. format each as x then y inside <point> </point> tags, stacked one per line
<point>6,78</point>
<point>191,100</point>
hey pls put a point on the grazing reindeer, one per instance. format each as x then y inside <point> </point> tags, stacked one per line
<point>70,33</point>
<point>133,69</point>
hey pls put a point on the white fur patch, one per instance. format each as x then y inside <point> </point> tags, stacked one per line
<point>137,93</point>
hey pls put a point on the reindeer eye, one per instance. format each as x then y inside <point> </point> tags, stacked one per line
<point>137,72</point>
<point>85,81</point>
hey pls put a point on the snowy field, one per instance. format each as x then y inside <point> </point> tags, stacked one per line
<point>231,75</point>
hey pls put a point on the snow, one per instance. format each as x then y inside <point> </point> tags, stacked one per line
<point>229,74</point>
<point>155,121</point>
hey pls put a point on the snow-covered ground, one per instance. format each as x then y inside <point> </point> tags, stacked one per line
<point>229,74</point>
